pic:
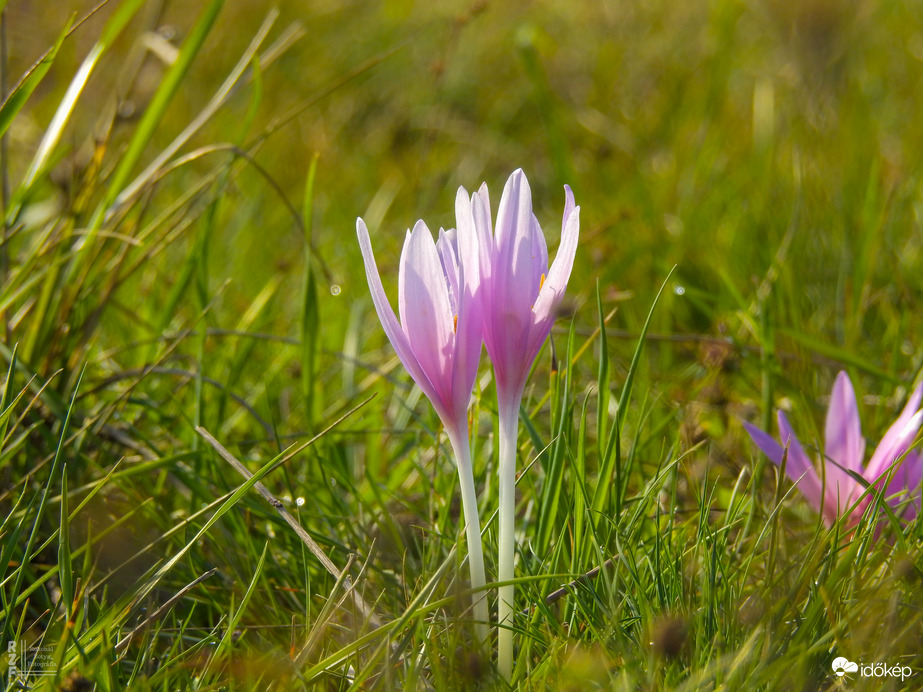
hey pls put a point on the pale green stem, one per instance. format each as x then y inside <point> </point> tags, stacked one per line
<point>462,449</point>
<point>509,427</point>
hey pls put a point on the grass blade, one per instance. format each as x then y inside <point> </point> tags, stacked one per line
<point>310,311</point>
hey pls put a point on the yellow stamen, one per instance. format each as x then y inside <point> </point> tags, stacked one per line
<point>455,326</point>
<point>541,282</point>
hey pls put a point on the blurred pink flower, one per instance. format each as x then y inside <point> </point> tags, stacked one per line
<point>836,491</point>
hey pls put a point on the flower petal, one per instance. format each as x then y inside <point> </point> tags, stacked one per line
<point>845,447</point>
<point>517,265</point>
<point>556,282</point>
<point>904,488</point>
<point>798,466</point>
<point>426,313</point>
<point>447,247</point>
<point>766,442</point>
<point>896,441</point>
<point>469,330</point>
<point>480,212</point>
<point>389,321</point>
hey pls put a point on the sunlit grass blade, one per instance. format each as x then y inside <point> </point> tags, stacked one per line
<point>158,105</point>
<point>171,82</point>
<point>310,312</point>
<point>65,570</point>
<point>116,24</point>
<point>16,99</point>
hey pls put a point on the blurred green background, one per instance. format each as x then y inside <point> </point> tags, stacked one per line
<point>734,139</point>
<point>768,150</point>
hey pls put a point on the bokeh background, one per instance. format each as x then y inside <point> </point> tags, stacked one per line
<point>766,152</point>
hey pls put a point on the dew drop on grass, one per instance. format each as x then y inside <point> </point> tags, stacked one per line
<point>334,290</point>
<point>299,501</point>
<point>679,290</point>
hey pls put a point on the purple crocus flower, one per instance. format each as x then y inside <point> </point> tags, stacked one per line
<point>521,296</point>
<point>438,340</point>
<point>835,492</point>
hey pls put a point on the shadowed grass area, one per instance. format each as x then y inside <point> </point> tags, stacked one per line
<point>180,276</point>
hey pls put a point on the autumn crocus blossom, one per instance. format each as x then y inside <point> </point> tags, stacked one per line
<point>520,297</point>
<point>521,294</point>
<point>835,492</point>
<point>438,340</point>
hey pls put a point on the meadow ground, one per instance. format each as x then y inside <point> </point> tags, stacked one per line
<point>184,305</point>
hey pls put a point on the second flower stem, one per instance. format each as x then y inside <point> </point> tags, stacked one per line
<point>509,427</point>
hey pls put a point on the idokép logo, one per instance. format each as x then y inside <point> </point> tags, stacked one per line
<point>842,666</point>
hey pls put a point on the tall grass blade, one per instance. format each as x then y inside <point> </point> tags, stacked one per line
<point>157,107</point>
<point>16,99</point>
<point>310,309</point>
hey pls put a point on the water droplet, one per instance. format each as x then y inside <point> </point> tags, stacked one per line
<point>333,482</point>
<point>679,290</point>
<point>335,290</point>
<point>299,501</point>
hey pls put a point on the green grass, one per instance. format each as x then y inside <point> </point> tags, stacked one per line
<point>180,277</point>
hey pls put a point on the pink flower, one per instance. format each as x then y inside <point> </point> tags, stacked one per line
<point>836,492</point>
<point>521,296</point>
<point>520,293</point>
<point>438,339</point>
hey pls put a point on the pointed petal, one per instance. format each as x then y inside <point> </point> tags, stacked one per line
<point>469,329</point>
<point>904,489</point>
<point>569,205</point>
<point>766,443</point>
<point>466,358</point>
<point>446,246</point>
<point>470,244</point>
<point>894,443</point>
<point>539,255</point>
<point>556,282</point>
<point>913,403</point>
<point>389,321</point>
<point>480,211</point>
<point>426,313</point>
<point>517,269</point>
<point>843,433</point>
<point>798,466</point>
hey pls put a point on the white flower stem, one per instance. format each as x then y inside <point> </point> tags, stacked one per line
<point>509,427</point>
<point>462,449</point>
